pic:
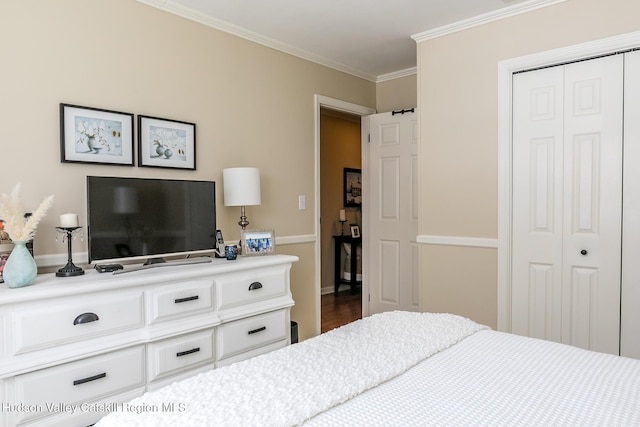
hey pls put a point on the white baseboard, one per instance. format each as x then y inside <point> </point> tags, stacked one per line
<point>329,289</point>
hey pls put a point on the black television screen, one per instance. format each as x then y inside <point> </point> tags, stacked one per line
<point>149,218</point>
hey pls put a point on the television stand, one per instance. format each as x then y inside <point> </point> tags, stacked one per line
<point>186,261</point>
<point>133,333</point>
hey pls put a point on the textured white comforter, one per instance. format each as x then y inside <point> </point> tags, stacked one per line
<point>291,385</point>
<point>497,379</point>
<point>406,369</point>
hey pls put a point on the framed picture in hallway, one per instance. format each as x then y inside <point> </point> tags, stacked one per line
<point>352,187</point>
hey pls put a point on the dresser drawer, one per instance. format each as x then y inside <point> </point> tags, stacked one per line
<point>78,382</point>
<point>249,333</point>
<point>182,353</point>
<point>180,299</point>
<point>249,286</point>
<point>61,321</point>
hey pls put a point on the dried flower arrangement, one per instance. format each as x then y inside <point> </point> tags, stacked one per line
<point>12,213</point>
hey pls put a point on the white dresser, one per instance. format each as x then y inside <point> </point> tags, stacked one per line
<point>73,349</point>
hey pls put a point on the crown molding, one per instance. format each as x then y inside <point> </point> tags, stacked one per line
<point>397,74</point>
<point>465,24</point>
<point>235,30</point>
<point>191,14</point>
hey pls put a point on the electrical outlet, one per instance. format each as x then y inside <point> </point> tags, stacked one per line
<point>302,202</point>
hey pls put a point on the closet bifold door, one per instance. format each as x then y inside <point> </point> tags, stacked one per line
<point>567,203</point>
<point>630,298</point>
<point>592,245</point>
<point>537,147</point>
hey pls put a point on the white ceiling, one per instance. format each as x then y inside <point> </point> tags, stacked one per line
<point>370,39</point>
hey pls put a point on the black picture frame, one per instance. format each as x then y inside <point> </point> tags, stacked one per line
<point>352,187</point>
<point>166,143</point>
<point>95,135</point>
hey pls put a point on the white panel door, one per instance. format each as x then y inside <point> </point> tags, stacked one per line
<point>630,298</point>
<point>390,237</point>
<point>537,204</point>
<point>567,203</point>
<point>593,203</point>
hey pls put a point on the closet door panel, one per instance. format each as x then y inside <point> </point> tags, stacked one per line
<point>591,255</point>
<point>630,298</point>
<point>537,203</point>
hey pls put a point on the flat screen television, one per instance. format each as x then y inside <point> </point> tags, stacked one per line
<point>138,218</point>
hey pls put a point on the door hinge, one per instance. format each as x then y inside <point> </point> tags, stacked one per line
<point>368,137</point>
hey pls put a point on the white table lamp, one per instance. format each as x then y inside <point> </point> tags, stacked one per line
<point>241,188</point>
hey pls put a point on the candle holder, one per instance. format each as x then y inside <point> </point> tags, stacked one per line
<point>342,221</point>
<point>70,269</point>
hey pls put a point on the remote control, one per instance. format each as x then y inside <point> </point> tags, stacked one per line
<point>108,268</point>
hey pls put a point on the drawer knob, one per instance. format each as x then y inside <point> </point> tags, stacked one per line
<point>85,318</point>
<point>254,286</point>
<point>184,353</point>
<point>179,300</point>
<point>255,331</point>
<point>89,379</point>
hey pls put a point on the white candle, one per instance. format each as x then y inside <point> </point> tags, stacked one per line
<point>69,220</point>
<point>343,215</point>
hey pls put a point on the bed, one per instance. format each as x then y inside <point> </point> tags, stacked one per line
<point>402,368</point>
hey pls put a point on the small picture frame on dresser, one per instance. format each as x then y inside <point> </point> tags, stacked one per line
<point>258,242</point>
<point>6,246</point>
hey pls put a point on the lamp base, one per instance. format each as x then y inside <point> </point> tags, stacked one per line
<point>243,222</point>
<point>243,219</point>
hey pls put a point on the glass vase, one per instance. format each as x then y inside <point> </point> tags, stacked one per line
<point>21,269</point>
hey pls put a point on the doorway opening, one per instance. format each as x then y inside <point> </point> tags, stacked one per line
<point>347,116</point>
<point>340,150</point>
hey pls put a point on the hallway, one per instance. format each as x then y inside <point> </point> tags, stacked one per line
<point>339,310</point>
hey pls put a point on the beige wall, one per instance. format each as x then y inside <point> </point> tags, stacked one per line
<point>397,94</point>
<point>253,106</point>
<point>340,147</point>
<point>457,100</point>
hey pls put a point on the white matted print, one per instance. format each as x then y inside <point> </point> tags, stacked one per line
<point>166,143</point>
<point>258,242</point>
<point>93,135</point>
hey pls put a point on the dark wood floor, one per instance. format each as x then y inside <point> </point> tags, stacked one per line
<point>339,310</point>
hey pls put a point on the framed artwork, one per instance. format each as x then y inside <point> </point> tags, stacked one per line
<point>355,231</point>
<point>258,242</point>
<point>166,143</point>
<point>352,187</point>
<point>94,135</point>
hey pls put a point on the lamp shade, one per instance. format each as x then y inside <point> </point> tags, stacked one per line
<point>241,186</point>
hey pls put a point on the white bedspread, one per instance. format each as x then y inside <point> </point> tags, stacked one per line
<point>497,379</point>
<point>291,385</point>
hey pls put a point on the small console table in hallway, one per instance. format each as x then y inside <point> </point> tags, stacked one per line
<point>338,279</point>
